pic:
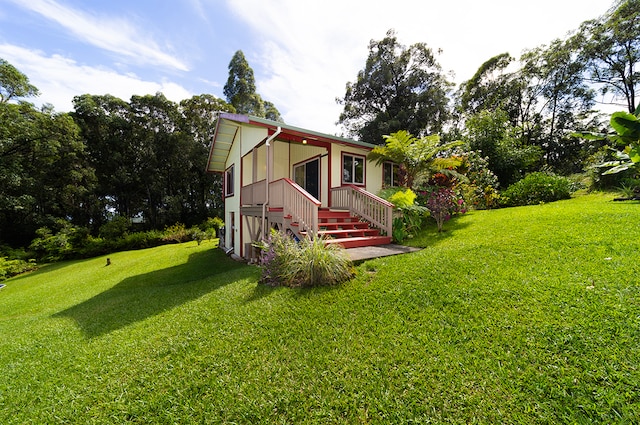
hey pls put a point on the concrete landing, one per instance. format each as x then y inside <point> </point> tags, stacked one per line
<point>369,252</point>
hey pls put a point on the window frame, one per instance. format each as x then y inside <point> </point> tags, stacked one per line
<point>229,181</point>
<point>353,157</point>
<point>393,177</point>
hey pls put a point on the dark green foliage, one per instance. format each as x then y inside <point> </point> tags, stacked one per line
<point>9,268</point>
<point>115,228</point>
<point>240,91</point>
<point>480,191</point>
<point>536,188</point>
<point>495,138</point>
<point>400,88</point>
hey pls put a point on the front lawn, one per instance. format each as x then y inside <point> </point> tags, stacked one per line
<point>520,315</point>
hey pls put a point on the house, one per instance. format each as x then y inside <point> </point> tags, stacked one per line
<point>298,181</point>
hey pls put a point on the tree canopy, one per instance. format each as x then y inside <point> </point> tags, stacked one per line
<point>400,88</point>
<point>240,91</point>
<point>610,46</point>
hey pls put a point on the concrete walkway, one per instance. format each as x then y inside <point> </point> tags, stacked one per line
<point>369,252</point>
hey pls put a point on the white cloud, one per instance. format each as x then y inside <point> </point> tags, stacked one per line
<point>310,50</point>
<point>59,79</point>
<point>115,35</point>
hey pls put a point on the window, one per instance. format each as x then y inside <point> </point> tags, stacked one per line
<point>307,175</point>
<point>353,169</point>
<point>390,174</point>
<point>228,181</point>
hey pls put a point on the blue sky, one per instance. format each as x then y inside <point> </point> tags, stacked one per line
<point>303,52</point>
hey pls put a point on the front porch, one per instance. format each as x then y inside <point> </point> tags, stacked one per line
<point>355,217</point>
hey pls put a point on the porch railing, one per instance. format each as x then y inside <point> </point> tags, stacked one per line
<point>370,207</point>
<point>254,193</point>
<point>296,203</point>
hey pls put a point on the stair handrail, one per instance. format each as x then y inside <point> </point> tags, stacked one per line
<point>296,203</point>
<point>378,211</point>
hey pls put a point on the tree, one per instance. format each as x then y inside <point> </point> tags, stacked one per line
<point>492,88</point>
<point>205,189</point>
<point>399,88</point>
<point>610,46</point>
<point>240,90</point>
<point>13,83</point>
<point>43,169</point>
<point>106,128</point>
<point>491,133</point>
<point>556,101</point>
<point>417,157</point>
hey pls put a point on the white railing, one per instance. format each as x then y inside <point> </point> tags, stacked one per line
<point>296,203</point>
<point>359,202</point>
<point>254,193</point>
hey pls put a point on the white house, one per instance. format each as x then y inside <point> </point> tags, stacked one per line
<point>296,180</point>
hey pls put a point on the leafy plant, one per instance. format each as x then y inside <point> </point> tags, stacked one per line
<point>416,156</point>
<point>627,135</point>
<point>403,199</point>
<point>481,188</point>
<point>536,188</point>
<point>176,233</point>
<point>409,217</point>
<point>443,203</point>
<point>13,267</point>
<point>309,262</point>
<point>116,228</point>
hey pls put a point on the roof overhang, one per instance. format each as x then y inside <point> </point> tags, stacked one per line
<point>227,126</point>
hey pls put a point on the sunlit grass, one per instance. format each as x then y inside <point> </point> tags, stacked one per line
<point>523,315</point>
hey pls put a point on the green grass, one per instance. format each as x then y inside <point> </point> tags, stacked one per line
<point>521,315</point>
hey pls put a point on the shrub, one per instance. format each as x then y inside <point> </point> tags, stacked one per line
<point>536,188</point>
<point>177,233</point>
<point>310,262</point>
<point>55,247</point>
<point>9,268</point>
<point>212,223</point>
<point>408,217</point>
<point>116,228</point>
<point>402,198</point>
<point>443,203</point>
<point>481,190</point>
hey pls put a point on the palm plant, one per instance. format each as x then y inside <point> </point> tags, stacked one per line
<point>416,157</point>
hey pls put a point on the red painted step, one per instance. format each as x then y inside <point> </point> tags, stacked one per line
<point>361,241</point>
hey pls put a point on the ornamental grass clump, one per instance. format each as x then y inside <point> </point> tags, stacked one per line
<point>309,262</point>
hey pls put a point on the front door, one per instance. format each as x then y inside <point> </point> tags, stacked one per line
<point>307,175</point>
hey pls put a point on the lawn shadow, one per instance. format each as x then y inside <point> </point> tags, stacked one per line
<point>138,297</point>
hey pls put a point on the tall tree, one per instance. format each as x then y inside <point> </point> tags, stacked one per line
<point>43,169</point>
<point>204,189</point>
<point>556,101</point>
<point>105,124</point>
<point>400,88</point>
<point>611,49</point>
<point>240,90</point>
<point>492,87</point>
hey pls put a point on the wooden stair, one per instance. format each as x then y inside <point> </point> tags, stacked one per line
<point>340,227</point>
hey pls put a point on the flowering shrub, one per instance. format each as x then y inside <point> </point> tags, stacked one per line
<point>443,203</point>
